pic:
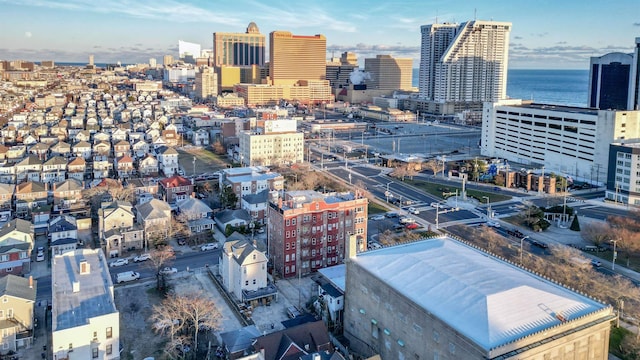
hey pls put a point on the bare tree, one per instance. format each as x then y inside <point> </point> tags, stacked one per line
<point>433,165</point>
<point>400,172</point>
<point>596,232</point>
<point>218,148</point>
<point>183,317</point>
<point>159,259</point>
<point>411,170</point>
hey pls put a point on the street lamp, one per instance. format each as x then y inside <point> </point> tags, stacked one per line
<point>615,253</point>
<point>521,241</point>
<point>488,206</point>
<point>438,212</point>
<point>387,193</point>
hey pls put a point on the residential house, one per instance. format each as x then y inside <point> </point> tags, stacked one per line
<point>243,269</point>
<point>170,137</point>
<point>8,173</point>
<point>76,168</point>
<point>155,218</point>
<point>124,166</point>
<point>17,301</point>
<point>29,169</point>
<point>148,166</point>
<point>293,342</point>
<point>159,142</point>
<point>68,195</point>
<point>256,205</point>
<point>3,152</point>
<point>85,321</point>
<point>6,201</point>
<point>140,148</point>
<point>63,234</point>
<point>233,218</point>
<point>16,152</point>
<point>59,132</point>
<point>201,137</point>
<point>30,140</point>
<point>82,149</point>
<point>175,189</point>
<point>152,134</point>
<point>197,215</point>
<point>16,243</point>
<point>61,148</point>
<point>101,137</point>
<point>122,148</point>
<point>102,148</point>
<point>54,169</point>
<point>119,135</point>
<point>250,180</point>
<point>102,167</point>
<point>331,288</point>
<point>168,160</point>
<point>30,195</point>
<point>144,186</point>
<point>117,228</point>
<point>83,135</point>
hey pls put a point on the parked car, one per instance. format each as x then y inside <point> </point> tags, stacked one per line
<point>596,263</point>
<point>412,226</point>
<point>414,211</point>
<point>127,276</point>
<point>40,256</point>
<point>209,246</point>
<point>142,257</point>
<point>168,270</point>
<point>407,220</point>
<point>377,217</point>
<point>436,205</point>
<point>119,262</point>
<point>391,215</point>
<point>493,224</point>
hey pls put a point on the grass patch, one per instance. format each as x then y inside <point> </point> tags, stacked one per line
<point>437,190</point>
<point>375,208</point>
<point>634,261</point>
<point>615,341</point>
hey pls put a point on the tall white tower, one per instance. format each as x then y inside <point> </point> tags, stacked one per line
<point>464,62</point>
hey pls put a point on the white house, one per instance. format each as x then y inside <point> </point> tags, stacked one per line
<point>243,268</point>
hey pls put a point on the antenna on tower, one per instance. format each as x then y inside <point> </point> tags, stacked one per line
<point>436,16</point>
<point>475,13</point>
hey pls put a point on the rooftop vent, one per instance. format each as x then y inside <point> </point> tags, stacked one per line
<point>85,268</point>
<point>76,286</point>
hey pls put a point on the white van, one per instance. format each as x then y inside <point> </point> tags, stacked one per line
<point>127,276</point>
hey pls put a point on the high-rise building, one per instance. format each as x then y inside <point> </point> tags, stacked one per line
<point>387,73</point>
<point>634,83</point>
<point>167,60</point>
<point>187,50</point>
<point>309,230</point>
<point>206,83</point>
<point>91,60</point>
<point>153,63</point>
<point>296,57</point>
<point>339,69</point>
<point>609,83</point>
<point>465,63</point>
<point>239,49</point>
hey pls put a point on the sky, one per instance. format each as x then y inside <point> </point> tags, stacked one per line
<point>546,34</point>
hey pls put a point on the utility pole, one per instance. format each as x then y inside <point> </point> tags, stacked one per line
<point>615,253</point>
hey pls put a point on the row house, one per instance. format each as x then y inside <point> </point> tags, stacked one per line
<point>68,195</point>
<point>101,137</point>
<point>54,169</point>
<point>175,189</point>
<point>122,148</point>
<point>102,148</point>
<point>168,160</point>
<point>28,169</point>
<point>82,149</point>
<point>154,217</point>
<point>140,148</point>
<point>83,135</point>
<point>120,135</point>
<point>40,149</point>
<point>63,234</point>
<point>61,148</point>
<point>16,152</point>
<point>16,244</point>
<point>118,230</point>
<point>8,173</point>
<point>29,196</point>
<point>124,166</point>
<point>148,166</point>
<point>77,168</point>
<point>101,167</point>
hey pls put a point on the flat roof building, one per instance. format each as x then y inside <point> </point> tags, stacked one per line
<point>441,298</point>
<point>563,139</point>
<point>389,73</point>
<point>609,81</point>
<point>85,321</point>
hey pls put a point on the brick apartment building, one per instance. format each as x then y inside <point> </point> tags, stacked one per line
<point>308,230</point>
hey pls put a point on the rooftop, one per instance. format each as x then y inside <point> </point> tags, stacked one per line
<point>496,302</point>
<point>95,290</point>
<point>559,108</point>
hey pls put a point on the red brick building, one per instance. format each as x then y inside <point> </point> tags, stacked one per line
<point>175,189</point>
<point>309,230</point>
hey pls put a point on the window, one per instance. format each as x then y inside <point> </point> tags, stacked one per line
<point>246,283</point>
<point>293,221</point>
<point>254,281</point>
<point>109,332</point>
<point>1,314</point>
<point>109,349</point>
<point>375,331</point>
<point>70,347</point>
<point>94,353</point>
<point>95,335</point>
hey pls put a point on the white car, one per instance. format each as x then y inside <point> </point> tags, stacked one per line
<point>377,217</point>
<point>493,224</point>
<point>40,256</point>
<point>209,246</point>
<point>168,270</point>
<point>119,262</point>
<point>413,211</point>
<point>436,205</point>
<point>142,257</point>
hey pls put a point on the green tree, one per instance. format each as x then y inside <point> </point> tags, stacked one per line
<point>575,225</point>
<point>228,199</point>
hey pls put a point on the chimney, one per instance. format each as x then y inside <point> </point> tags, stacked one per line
<point>76,286</point>
<point>85,268</point>
<point>31,282</point>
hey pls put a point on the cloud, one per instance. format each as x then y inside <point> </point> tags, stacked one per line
<point>165,10</point>
<point>561,43</point>
<point>299,17</point>
<point>636,24</point>
<point>126,55</point>
<point>518,37</point>
<point>559,55</point>
<point>28,34</point>
<point>369,51</point>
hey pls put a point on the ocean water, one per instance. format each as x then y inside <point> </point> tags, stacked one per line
<point>560,87</point>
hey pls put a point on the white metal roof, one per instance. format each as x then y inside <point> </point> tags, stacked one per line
<point>486,299</point>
